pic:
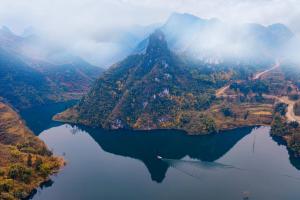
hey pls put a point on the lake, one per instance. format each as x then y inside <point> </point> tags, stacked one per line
<point>102,164</point>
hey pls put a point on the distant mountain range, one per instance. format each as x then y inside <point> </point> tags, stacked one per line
<point>34,72</point>
<point>213,41</point>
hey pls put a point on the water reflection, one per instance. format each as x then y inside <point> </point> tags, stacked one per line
<point>294,161</point>
<point>39,118</point>
<point>147,145</point>
<point>43,185</point>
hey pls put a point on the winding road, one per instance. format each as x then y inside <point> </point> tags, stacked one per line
<point>260,74</point>
<point>221,91</point>
<point>290,115</point>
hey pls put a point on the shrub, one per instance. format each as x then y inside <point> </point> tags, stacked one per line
<point>38,163</point>
<point>45,170</point>
<point>294,97</point>
<point>6,185</point>
<point>20,194</point>
<point>294,124</point>
<point>209,124</point>
<point>297,108</point>
<point>20,173</point>
<point>29,160</point>
<point>2,172</point>
<point>45,152</point>
<point>280,108</point>
<point>6,196</point>
<point>277,127</point>
<point>227,112</point>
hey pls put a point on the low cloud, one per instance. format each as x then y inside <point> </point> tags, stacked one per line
<point>85,25</point>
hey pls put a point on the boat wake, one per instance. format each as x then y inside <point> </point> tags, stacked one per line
<point>197,169</point>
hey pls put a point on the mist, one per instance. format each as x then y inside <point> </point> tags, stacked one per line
<point>104,31</point>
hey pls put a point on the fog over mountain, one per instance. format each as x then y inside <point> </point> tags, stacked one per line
<point>105,31</point>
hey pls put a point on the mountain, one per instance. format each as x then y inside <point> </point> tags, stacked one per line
<point>213,41</point>
<point>72,78</point>
<point>154,90</point>
<point>170,81</point>
<point>34,72</point>
<point>21,85</point>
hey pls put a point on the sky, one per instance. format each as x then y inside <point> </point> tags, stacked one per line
<point>78,22</point>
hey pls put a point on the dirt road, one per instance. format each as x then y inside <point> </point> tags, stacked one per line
<point>258,75</point>
<point>221,91</point>
<point>290,114</point>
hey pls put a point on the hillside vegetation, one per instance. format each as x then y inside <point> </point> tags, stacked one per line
<point>155,90</point>
<point>27,80</point>
<point>25,160</point>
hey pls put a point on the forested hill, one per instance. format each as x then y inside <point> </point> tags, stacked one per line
<point>27,79</point>
<point>153,90</point>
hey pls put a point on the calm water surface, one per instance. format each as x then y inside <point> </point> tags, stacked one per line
<point>124,164</point>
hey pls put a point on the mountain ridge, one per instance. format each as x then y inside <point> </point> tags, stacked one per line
<point>145,91</point>
<point>27,80</point>
<point>212,39</point>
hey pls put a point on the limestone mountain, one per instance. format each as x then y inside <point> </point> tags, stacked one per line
<point>152,90</point>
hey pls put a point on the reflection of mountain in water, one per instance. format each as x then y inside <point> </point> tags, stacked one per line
<point>293,160</point>
<point>39,118</point>
<point>146,145</point>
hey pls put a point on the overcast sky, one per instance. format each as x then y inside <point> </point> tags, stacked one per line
<point>77,20</point>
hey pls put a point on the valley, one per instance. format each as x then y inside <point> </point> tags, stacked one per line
<point>187,105</point>
<point>197,110</point>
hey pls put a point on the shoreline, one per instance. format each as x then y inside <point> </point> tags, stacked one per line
<point>157,129</point>
<point>47,180</point>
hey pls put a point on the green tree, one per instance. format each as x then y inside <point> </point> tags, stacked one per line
<point>38,164</point>
<point>29,160</point>
<point>277,127</point>
<point>20,173</point>
<point>227,112</point>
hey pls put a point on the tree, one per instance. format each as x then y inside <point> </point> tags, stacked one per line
<point>38,164</point>
<point>20,173</point>
<point>289,89</point>
<point>29,160</point>
<point>277,127</point>
<point>227,112</point>
<point>280,108</point>
<point>45,170</point>
<point>294,124</point>
<point>246,115</point>
<point>294,96</point>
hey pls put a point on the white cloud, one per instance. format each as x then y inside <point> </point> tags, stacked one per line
<point>90,15</point>
<point>73,22</point>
